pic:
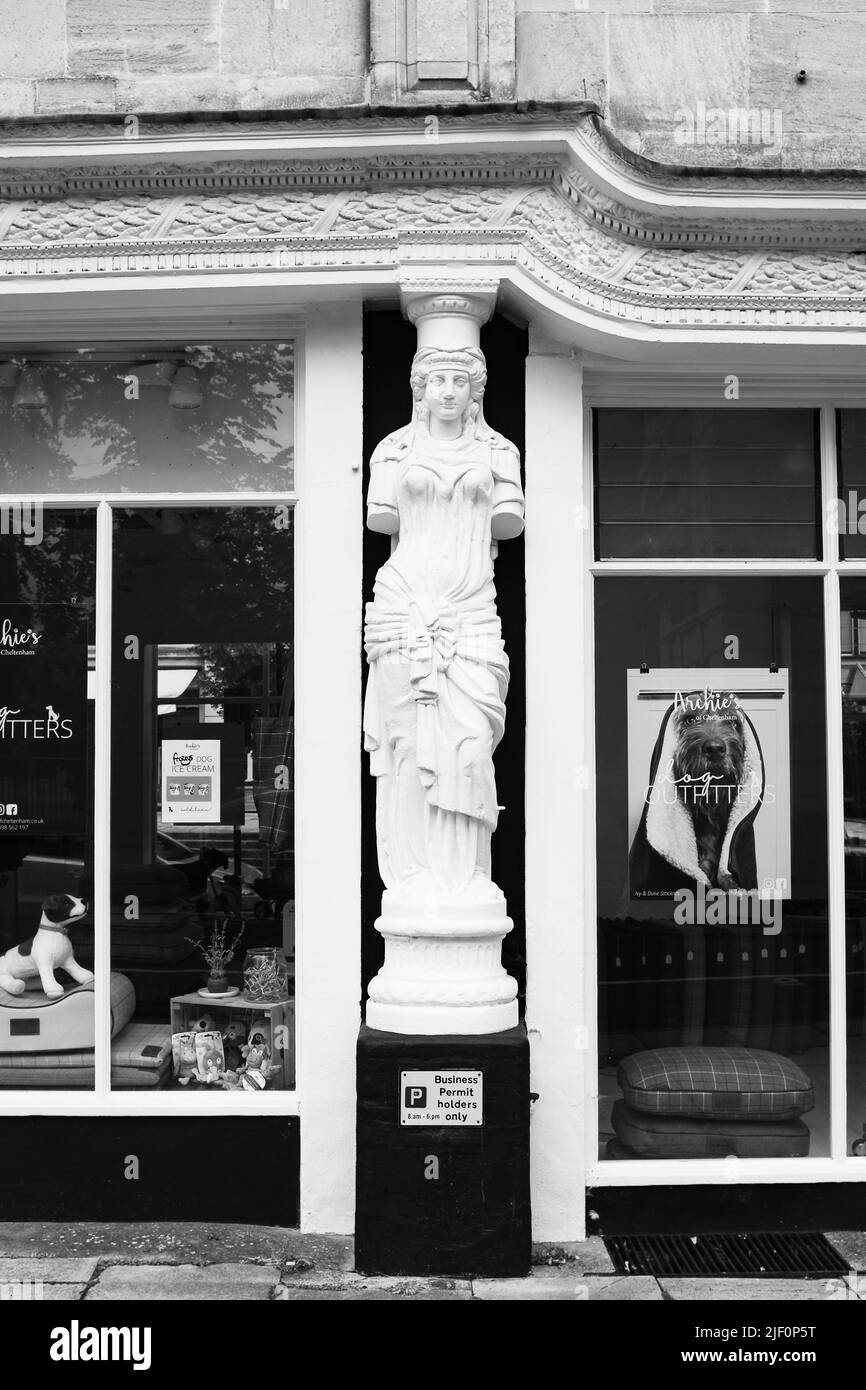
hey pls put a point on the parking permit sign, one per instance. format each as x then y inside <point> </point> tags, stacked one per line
<point>447,1098</point>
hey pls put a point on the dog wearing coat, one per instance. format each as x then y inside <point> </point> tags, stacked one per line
<point>705,789</point>
<point>49,950</point>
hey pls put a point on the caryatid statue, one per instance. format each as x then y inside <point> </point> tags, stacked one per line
<point>446,488</point>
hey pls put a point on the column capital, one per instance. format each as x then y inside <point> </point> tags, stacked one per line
<point>448,315</point>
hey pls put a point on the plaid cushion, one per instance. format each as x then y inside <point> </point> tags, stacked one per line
<point>61,1078</point>
<point>720,1082</point>
<point>681,1136</point>
<point>142,1045</point>
<point>273,747</point>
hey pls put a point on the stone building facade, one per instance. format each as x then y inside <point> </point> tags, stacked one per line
<point>221,222</point>
<point>769,83</point>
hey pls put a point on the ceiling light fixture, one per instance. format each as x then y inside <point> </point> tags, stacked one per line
<point>186,393</point>
<point>30,391</point>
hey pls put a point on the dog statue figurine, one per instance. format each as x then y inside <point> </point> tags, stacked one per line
<point>49,950</point>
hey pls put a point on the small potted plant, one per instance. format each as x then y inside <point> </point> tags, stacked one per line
<point>218,954</point>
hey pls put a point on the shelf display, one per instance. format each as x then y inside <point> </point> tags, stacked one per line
<point>238,1044</point>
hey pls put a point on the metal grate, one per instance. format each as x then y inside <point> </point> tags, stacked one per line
<point>760,1256</point>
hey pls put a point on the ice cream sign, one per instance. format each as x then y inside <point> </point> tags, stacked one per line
<point>191,781</point>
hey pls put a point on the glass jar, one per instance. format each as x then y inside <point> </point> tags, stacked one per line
<point>266,974</point>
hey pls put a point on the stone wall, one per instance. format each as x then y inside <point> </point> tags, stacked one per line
<point>130,56</point>
<point>683,81</point>
<point>708,81</point>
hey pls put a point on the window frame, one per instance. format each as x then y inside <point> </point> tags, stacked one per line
<point>706,389</point>
<point>326,502</point>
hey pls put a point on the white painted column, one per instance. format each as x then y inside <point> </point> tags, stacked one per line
<point>558,798</point>
<point>329,530</point>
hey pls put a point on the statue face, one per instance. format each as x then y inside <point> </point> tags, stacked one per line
<point>447,393</point>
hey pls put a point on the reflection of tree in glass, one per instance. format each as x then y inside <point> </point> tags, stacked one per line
<point>62,568</point>
<point>237,666</point>
<point>102,426</point>
<point>854,753</point>
<point>208,575</point>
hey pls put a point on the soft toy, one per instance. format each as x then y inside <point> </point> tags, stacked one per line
<point>203,1024</point>
<point>49,950</point>
<point>257,1066</point>
<point>234,1037</point>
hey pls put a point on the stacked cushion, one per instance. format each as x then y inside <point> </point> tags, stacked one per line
<point>709,1102</point>
<point>675,1136</point>
<point>141,1056</point>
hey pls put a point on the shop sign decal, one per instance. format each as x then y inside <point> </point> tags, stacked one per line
<point>191,781</point>
<point>43,719</point>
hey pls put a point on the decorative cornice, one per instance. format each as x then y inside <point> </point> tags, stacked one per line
<point>556,209</point>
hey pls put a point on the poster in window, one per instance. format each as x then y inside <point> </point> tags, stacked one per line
<point>191,781</point>
<point>709,784</point>
<point>43,719</point>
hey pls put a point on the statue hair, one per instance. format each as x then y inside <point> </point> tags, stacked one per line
<point>469,360</point>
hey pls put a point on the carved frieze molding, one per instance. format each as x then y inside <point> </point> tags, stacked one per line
<point>562,213</point>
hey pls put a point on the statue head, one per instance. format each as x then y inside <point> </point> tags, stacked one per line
<point>448,383</point>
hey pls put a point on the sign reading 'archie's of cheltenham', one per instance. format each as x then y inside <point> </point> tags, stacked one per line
<point>43,719</point>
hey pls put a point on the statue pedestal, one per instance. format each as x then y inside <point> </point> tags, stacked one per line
<point>443,968</point>
<point>446,1197</point>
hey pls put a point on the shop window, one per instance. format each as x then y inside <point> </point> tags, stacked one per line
<point>47,590</point>
<point>166,419</point>
<point>851,502</point>
<point>712,867</point>
<point>727,483</point>
<point>853,595</point>
<point>202,886</point>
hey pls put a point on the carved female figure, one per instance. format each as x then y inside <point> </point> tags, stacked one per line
<point>447,488</point>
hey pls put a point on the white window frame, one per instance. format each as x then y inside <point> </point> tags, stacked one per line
<point>653,388</point>
<point>326,506</point>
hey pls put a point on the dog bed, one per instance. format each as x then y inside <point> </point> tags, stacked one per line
<point>140,1059</point>
<point>679,1136</point>
<point>31,1023</point>
<point>141,1056</point>
<point>715,1082</point>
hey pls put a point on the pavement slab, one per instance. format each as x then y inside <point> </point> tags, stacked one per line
<point>139,1283</point>
<point>170,1242</point>
<point>755,1290</point>
<point>563,1286</point>
<point>48,1269</point>
<point>367,1293</point>
<point>851,1245</point>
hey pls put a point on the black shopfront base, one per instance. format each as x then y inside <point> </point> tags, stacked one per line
<point>468,1212</point>
<point>233,1168</point>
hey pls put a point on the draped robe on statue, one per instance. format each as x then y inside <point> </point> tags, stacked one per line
<point>435,703</point>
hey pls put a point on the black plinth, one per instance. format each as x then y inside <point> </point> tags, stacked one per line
<point>471,1219</point>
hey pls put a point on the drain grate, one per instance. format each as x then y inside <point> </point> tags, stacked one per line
<point>760,1256</point>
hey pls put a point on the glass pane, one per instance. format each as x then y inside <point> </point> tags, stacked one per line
<point>712,868</point>
<point>728,483</point>
<point>47,587</point>
<point>203,798</point>
<point>853,594</point>
<point>851,432</point>
<point>192,419</point>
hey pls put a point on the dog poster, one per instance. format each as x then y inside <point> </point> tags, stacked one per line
<point>191,781</point>
<point>709,782</point>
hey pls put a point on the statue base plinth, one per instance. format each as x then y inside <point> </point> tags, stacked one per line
<point>443,967</point>
<point>447,1198</point>
<point>435,1019</point>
